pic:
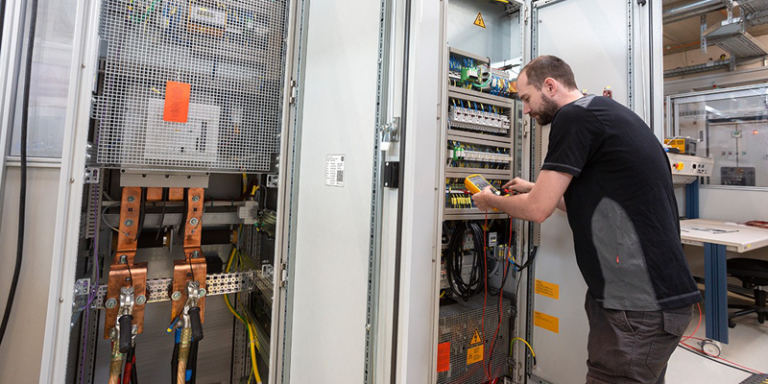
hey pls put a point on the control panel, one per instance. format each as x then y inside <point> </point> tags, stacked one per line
<point>685,168</point>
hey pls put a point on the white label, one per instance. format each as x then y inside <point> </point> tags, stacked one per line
<point>492,241</point>
<point>334,170</point>
<point>209,16</point>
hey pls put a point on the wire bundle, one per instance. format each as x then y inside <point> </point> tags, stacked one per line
<point>455,261</point>
<point>244,317</point>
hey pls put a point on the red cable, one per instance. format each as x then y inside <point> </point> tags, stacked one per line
<point>127,371</point>
<point>501,294</point>
<point>485,287</point>
<point>718,357</point>
<point>697,325</point>
<point>683,342</point>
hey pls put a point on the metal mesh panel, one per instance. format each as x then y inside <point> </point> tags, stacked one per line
<point>753,6</point>
<point>756,379</point>
<point>215,284</point>
<point>231,53</point>
<point>457,325</point>
<point>742,46</point>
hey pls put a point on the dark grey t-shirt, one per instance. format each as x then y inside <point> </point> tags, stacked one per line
<point>621,207</point>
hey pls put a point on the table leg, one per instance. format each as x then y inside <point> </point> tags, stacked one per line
<point>716,295</point>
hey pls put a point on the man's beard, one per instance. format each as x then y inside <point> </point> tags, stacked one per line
<point>547,112</point>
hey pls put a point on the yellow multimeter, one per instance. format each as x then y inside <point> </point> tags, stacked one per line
<point>476,183</point>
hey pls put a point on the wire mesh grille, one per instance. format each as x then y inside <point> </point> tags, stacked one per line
<point>756,379</point>
<point>753,6</point>
<point>232,55</point>
<point>742,45</point>
<point>457,325</point>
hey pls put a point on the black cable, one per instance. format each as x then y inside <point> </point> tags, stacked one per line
<point>128,367</point>
<point>527,263</point>
<point>695,352</point>
<point>23,176</point>
<point>496,292</point>
<point>183,230</point>
<point>175,362</point>
<point>134,371</point>
<point>142,212</point>
<point>455,261</point>
<point>164,197</point>
<point>2,19</point>
<point>505,274</point>
<point>192,365</point>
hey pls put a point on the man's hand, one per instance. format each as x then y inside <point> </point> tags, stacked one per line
<point>518,185</point>
<point>484,198</point>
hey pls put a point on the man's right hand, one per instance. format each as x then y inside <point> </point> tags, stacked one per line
<point>518,185</point>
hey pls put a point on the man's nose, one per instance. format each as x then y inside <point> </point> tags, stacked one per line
<point>526,108</point>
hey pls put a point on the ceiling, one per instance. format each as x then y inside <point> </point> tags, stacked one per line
<point>685,35</point>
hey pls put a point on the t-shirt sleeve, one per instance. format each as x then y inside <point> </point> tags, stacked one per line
<point>575,135</point>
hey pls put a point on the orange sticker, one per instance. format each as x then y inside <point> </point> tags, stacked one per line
<point>547,322</point>
<point>548,289</point>
<point>176,102</point>
<point>474,354</point>
<point>444,357</point>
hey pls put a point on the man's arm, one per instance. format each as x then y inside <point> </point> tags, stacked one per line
<point>537,205</point>
<point>520,185</point>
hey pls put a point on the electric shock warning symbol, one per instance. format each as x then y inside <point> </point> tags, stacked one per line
<point>479,20</point>
<point>476,338</point>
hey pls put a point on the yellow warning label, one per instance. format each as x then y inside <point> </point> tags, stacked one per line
<point>476,338</point>
<point>474,354</point>
<point>548,289</point>
<point>479,20</point>
<point>547,322</point>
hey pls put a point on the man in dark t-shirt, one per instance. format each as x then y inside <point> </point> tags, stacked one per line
<point>605,165</point>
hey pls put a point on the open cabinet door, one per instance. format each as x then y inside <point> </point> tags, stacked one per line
<point>332,193</point>
<point>607,45</point>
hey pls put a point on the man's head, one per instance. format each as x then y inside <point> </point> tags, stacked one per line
<point>545,85</point>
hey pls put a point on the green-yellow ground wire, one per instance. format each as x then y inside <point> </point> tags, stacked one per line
<point>253,340</point>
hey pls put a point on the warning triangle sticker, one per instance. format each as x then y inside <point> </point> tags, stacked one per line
<point>476,338</point>
<point>479,20</point>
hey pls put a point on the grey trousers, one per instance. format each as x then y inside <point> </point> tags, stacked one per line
<point>632,347</point>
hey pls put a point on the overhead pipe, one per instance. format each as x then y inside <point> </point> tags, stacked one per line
<point>696,8</point>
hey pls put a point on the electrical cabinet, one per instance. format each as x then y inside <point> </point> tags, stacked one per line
<point>611,53</point>
<point>288,177</point>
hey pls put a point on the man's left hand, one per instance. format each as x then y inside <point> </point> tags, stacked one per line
<point>483,199</point>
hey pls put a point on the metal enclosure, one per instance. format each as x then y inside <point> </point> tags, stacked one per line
<point>333,194</point>
<point>231,54</point>
<point>247,111</point>
<point>345,309</point>
<point>442,28</point>
<point>622,35</point>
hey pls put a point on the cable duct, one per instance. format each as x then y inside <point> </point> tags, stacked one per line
<point>696,8</point>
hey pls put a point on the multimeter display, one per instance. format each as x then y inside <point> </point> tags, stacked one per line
<point>476,183</point>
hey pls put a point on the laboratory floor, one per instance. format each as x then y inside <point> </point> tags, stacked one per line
<point>748,347</point>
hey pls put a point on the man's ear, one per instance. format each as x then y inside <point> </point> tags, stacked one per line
<point>550,86</point>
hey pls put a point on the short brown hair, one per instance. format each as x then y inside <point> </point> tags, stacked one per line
<point>546,66</point>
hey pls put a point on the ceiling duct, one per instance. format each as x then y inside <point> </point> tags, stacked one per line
<point>755,11</point>
<point>696,8</point>
<point>732,37</point>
